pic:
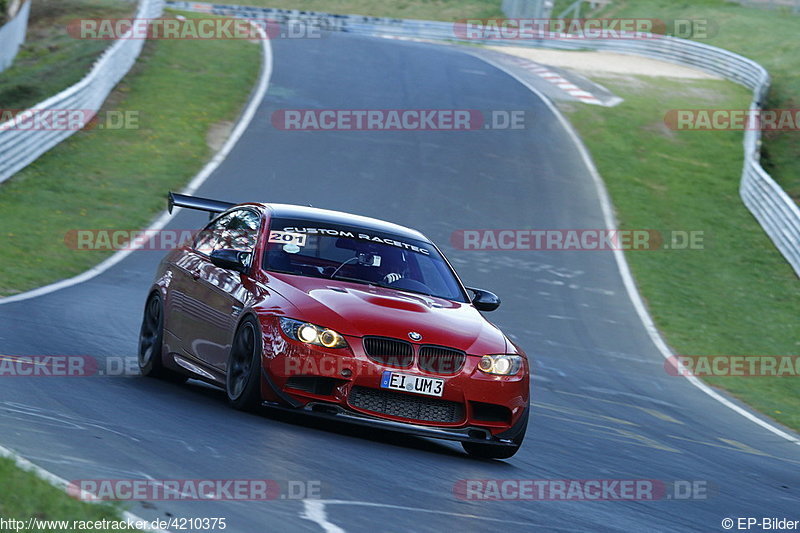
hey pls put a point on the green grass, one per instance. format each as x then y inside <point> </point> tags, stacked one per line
<point>51,60</point>
<point>448,10</point>
<point>27,496</point>
<point>559,6</point>
<point>767,36</point>
<point>119,178</point>
<point>738,296</point>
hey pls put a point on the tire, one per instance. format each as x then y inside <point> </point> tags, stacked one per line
<point>151,342</point>
<point>497,451</point>
<point>243,373</point>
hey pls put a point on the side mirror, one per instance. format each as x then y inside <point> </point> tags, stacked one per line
<point>235,260</point>
<point>484,300</point>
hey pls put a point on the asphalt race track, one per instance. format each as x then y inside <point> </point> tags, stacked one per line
<point>603,405</point>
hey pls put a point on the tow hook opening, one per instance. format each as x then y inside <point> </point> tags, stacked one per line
<point>477,434</point>
<point>327,409</point>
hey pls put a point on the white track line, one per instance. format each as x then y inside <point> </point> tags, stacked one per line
<point>315,511</point>
<point>197,181</point>
<point>624,270</point>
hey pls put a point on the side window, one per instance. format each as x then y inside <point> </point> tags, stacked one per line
<point>237,230</point>
<point>240,231</point>
<point>204,242</point>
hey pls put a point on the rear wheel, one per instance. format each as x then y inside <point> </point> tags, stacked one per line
<point>498,451</point>
<point>151,338</point>
<point>243,377</point>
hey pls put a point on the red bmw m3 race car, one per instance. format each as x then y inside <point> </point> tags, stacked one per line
<point>339,315</point>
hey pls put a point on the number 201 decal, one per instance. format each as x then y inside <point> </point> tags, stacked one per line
<point>287,237</point>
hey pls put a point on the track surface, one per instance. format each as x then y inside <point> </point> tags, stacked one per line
<point>603,408</point>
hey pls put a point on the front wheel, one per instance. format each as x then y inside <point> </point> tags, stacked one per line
<point>243,376</point>
<point>151,341</point>
<point>497,451</point>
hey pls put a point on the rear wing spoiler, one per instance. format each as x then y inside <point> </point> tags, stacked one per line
<point>195,202</point>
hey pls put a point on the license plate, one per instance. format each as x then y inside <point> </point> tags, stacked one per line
<point>416,384</point>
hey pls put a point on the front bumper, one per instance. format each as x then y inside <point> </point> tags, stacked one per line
<point>329,411</point>
<point>345,384</point>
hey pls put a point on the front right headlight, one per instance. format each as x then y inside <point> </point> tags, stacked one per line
<point>500,365</point>
<point>309,333</point>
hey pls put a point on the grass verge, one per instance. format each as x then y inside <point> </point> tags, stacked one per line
<point>764,35</point>
<point>51,60</point>
<point>25,496</point>
<point>105,178</point>
<point>559,6</point>
<point>738,296</point>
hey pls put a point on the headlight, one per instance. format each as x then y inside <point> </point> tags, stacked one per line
<point>500,365</point>
<point>311,334</point>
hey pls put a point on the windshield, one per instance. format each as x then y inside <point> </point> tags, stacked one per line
<point>322,250</point>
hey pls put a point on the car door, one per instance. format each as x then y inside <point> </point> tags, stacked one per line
<point>219,294</point>
<point>184,309</point>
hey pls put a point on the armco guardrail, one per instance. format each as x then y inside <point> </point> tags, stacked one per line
<point>777,213</point>
<point>20,147</point>
<point>12,35</point>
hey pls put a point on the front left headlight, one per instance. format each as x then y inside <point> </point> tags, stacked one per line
<point>309,333</point>
<point>500,365</point>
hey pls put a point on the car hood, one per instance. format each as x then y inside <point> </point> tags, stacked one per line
<point>358,310</point>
